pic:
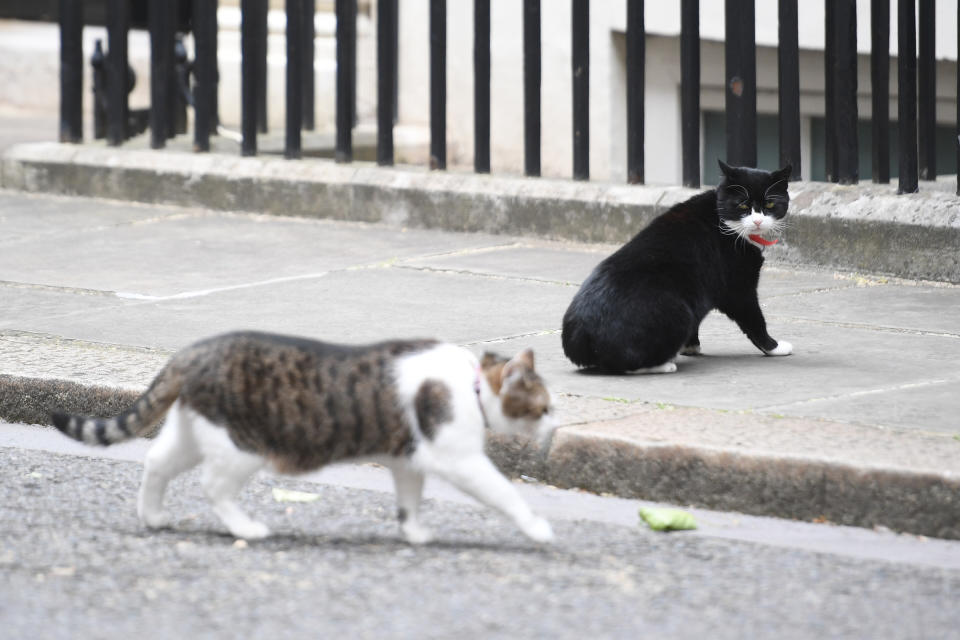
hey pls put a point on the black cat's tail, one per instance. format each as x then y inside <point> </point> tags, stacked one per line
<point>145,412</point>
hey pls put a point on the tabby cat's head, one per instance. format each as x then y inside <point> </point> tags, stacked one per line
<point>524,401</point>
<point>752,203</point>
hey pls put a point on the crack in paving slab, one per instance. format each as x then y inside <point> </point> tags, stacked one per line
<point>857,394</point>
<point>788,319</point>
<point>502,339</point>
<point>481,274</point>
<point>52,288</point>
<point>199,293</point>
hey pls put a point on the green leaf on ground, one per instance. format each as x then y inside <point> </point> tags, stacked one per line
<point>660,519</point>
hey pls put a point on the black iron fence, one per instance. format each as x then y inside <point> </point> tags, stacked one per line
<point>194,82</point>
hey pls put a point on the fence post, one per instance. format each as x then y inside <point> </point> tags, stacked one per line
<point>927,92</point>
<point>346,53</point>
<point>180,87</point>
<point>395,56</point>
<point>205,72</point>
<point>845,90</point>
<point>690,91</point>
<point>581,89</point>
<point>829,107</point>
<point>636,70</point>
<point>249,85</point>
<point>741,83</point>
<point>438,84</point>
<point>880,88</point>
<point>386,81</point>
<point>294,79</point>
<point>788,74</point>
<point>97,62</point>
<point>118,24</point>
<point>261,10</point>
<point>71,71</point>
<point>481,86</point>
<point>161,71</point>
<point>907,94</point>
<point>531,87</point>
<point>308,36</point>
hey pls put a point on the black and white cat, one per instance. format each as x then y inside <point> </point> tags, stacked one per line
<point>643,305</point>
<point>239,402</point>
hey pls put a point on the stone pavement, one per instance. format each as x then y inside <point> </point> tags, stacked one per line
<point>859,426</point>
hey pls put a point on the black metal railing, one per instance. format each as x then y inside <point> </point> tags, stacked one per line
<point>916,82</point>
<point>531,88</point>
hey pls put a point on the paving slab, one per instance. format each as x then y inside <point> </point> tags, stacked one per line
<point>361,305</point>
<point>522,260</point>
<point>34,306</point>
<point>27,218</point>
<point>829,363</point>
<point>920,309</point>
<point>157,256</point>
<point>934,404</point>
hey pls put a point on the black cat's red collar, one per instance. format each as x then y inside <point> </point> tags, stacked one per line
<point>763,241</point>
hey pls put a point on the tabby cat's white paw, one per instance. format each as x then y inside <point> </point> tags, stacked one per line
<point>250,530</point>
<point>538,530</point>
<point>416,534</point>
<point>783,348</point>
<point>157,520</point>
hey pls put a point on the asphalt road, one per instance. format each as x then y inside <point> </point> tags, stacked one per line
<point>75,563</point>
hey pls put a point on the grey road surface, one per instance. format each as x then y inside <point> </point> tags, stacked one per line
<point>75,563</point>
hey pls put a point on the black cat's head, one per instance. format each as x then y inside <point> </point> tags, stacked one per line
<point>752,203</point>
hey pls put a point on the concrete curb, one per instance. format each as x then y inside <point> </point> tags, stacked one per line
<point>798,487</point>
<point>32,400</point>
<point>771,485</point>
<point>861,228</point>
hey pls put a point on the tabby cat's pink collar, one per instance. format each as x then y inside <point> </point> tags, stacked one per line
<point>476,389</point>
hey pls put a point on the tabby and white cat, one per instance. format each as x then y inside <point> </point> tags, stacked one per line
<point>643,305</point>
<point>242,401</point>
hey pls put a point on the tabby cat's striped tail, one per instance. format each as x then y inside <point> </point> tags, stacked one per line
<point>145,412</point>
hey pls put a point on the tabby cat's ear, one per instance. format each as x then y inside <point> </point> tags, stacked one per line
<point>490,359</point>
<point>523,360</point>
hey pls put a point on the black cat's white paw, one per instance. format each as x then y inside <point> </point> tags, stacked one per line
<point>666,367</point>
<point>783,348</point>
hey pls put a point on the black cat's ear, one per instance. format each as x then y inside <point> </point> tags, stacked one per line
<point>724,167</point>
<point>785,173</point>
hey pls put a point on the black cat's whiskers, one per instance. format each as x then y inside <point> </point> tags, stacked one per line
<point>771,187</point>
<point>740,232</point>
<point>739,186</point>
